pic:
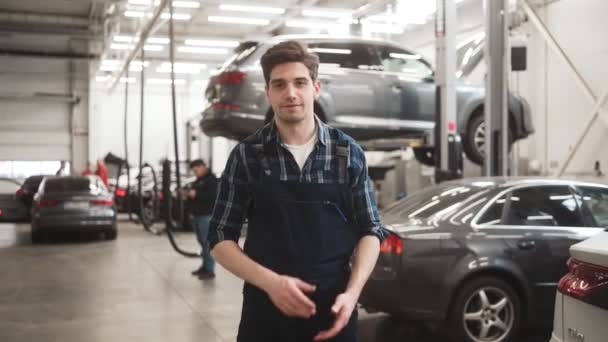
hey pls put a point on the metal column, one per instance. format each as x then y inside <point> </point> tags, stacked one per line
<point>448,145</point>
<point>496,161</point>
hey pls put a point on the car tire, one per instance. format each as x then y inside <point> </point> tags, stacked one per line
<point>37,237</point>
<point>111,234</point>
<point>425,155</point>
<point>497,318</point>
<point>471,142</point>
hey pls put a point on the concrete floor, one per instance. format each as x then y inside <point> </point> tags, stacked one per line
<point>133,289</point>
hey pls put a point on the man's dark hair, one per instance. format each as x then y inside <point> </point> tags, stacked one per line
<point>197,162</point>
<point>286,52</point>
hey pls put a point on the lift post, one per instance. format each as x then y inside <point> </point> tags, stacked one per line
<point>448,144</point>
<point>496,161</point>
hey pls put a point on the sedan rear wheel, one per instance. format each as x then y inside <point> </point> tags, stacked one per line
<point>486,310</point>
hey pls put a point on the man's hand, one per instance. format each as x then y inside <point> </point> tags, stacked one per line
<point>287,294</point>
<point>343,309</point>
<point>187,193</point>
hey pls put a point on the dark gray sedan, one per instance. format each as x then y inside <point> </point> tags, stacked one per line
<point>73,203</point>
<point>11,208</point>
<point>371,89</point>
<point>483,257</point>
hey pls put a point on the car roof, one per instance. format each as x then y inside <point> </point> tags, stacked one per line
<point>503,181</point>
<point>325,37</point>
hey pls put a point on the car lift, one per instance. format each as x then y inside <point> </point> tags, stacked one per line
<point>448,144</point>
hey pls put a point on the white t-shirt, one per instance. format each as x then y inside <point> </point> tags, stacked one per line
<point>301,152</point>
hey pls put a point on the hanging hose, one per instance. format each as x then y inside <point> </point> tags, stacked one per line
<point>141,145</point>
<point>166,190</point>
<point>125,137</point>
<point>149,212</point>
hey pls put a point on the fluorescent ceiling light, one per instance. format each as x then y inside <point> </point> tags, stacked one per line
<point>199,66</point>
<point>211,42</point>
<point>403,56</point>
<point>202,50</point>
<point>109,67</point>
<point>140,2</point>
<point>153,48</point>
<point>116,46</point>
<point>119,62</point>
<point>176,16</point>
<point>134,14</point>
<point>186,4</point>
<point>157,40</point>
<point>101,78</point>
<point>181,68</point>
<point>253,9</point>
<point>125,39</point>
<point>165,81</point>
<point>326,13</point>
<point>334,51</point>
<point>131,39</point>
<point>238,20</point>
<point>309,24</point>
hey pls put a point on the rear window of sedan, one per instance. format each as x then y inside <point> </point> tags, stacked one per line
<point>73,185</point>
<point>432,201</point>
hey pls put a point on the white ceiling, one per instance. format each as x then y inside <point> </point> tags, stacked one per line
<point>87,28</point>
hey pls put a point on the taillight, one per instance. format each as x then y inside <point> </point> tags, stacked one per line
<point>48,203</point>
<point>392,244</point>
<point>230,77</point>
<point>225,106</point>
<point>120,192</point>
<point>20,192</point>
<point>159,195</point>
<point>583,279</point>
<point>104,202</point>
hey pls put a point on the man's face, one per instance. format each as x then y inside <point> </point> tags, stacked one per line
<point>199,170</point>
<point>291,92</point>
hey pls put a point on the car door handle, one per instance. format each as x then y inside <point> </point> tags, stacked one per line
<point>526,245</point>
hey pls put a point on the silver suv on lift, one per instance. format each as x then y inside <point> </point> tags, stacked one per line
<point>371,89</point>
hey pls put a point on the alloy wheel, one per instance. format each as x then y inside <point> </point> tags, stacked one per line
<point>488,315</point>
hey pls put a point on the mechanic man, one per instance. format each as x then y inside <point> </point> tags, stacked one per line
<point>202,196</point>
<point>304,188</point>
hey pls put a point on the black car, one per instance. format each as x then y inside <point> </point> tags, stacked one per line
<point>371,89</point>
<point>482,257</point>
<point>73,203</point>
<point>11,208</point>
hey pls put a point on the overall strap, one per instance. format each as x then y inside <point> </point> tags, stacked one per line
<point>342,153</point>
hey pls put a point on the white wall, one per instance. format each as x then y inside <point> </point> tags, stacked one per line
<point>107,117</point>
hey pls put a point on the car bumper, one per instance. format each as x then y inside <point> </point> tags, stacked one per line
<point>230,124</point>
<point>75,223</point>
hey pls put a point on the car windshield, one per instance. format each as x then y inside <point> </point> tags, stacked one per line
<point>73,184</point>
<point>435,200</point>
